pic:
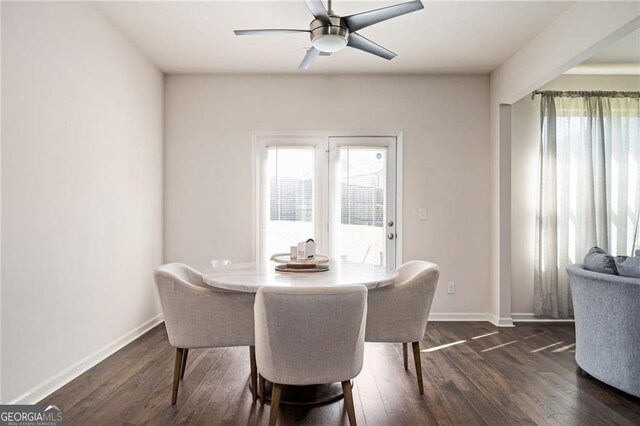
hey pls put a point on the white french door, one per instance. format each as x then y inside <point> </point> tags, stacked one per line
<point>362,187</point>
<point>291,172</point>
<point>341,191</point>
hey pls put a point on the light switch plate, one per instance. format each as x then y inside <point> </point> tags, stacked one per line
<point>422,213</point>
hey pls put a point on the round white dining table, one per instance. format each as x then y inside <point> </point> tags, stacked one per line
<point>249,277</point>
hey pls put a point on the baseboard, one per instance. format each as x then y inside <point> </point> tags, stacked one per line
<point>530,317</point>
<point>54,383</point>
<point>500,321</point>
<point>458,316</point>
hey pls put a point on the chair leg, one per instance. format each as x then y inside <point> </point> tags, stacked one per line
<point>176,375</point>
<point>348,402</point>
<point>405,356</point>
<point>275,403</point>
<point>254,373</point>
<point>184,363</point>
<point>261,387</point>
<point>416,358</point>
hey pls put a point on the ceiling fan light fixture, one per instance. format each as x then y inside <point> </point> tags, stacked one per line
<point>329,36</point>
<point>329,42</point>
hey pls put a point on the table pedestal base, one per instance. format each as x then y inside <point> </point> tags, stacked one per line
<point>307,395</point>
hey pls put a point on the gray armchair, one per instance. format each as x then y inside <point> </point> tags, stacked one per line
<point>607,314</point>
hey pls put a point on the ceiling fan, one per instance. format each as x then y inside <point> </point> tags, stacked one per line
<point>330,32</point>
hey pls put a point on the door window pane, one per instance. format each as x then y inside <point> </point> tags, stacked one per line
<point>361,228</point>
<point>289,202</point>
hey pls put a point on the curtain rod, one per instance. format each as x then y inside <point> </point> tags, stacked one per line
<point>585,93</point>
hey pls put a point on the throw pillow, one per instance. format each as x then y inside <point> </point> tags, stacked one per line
<point>598,260</point>
<point>628,266</point>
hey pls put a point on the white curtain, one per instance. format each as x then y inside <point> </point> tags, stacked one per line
<point>589,186</point>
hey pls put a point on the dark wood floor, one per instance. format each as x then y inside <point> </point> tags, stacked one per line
<point>521,375</point>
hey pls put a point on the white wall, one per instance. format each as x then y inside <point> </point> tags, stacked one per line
<point>208,126</point>
<point>524,177</point>
<point>81,193</point>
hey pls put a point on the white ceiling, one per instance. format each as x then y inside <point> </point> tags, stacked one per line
<point>445,37</point>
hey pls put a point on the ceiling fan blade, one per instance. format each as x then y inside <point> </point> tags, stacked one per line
<point>308,59</point>
<point>362,20</point>
<point>268,32</point>
<point>318,10</point>
<point>362,43</point>
<point>321,52</point>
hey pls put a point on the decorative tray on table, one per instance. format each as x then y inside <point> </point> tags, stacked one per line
<point>319,263</point>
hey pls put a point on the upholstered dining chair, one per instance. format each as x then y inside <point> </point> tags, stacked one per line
<point>310,335</point>
<point>199,316</point>
<point>399,313</point>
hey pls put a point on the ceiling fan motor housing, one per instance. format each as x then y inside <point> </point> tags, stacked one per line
<point>329,36</point>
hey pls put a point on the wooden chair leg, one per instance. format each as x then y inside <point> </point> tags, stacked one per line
<point>275,403</point>
<point>348,402</point>
<point>261,387</point>
<point>183,367</point>
<point>416,358</point>
<point>405,356</point>
<point>176,375</point>
<point>254,373</point>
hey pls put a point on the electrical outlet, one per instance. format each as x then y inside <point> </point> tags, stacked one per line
<point>451,288</point>
<point>422,213</point>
